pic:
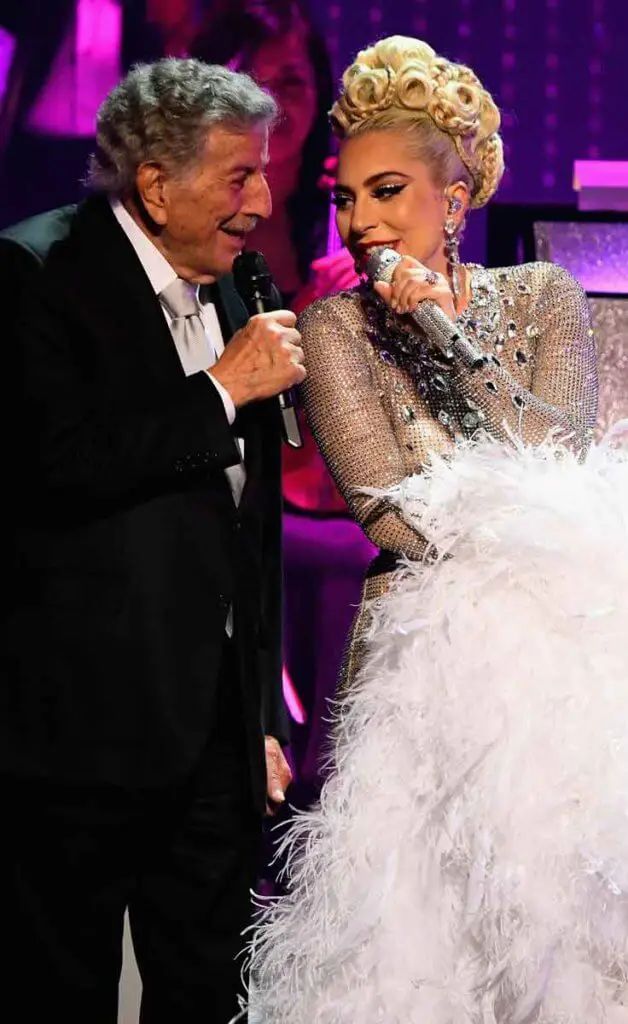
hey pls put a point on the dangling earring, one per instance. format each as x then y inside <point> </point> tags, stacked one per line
<point>452,243</point>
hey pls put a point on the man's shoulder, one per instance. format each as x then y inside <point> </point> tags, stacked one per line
<point>57,252</point>
<point>38,234</point>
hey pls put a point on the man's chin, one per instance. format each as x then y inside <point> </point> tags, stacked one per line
<point>234,239</point>
<point>222,262</point>
<point>234,244</point>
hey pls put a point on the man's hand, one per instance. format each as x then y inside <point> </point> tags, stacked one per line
<point>278,774</point>
<point>262,359</point>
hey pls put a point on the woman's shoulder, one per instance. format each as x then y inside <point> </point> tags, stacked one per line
<point>547,297</point>
<point>344,308</point>
<point>535,279</point>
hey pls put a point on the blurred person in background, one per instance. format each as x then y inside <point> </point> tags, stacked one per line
<point>279,46</point>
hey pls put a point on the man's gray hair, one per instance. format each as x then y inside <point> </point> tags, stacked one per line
<point>162,112</point>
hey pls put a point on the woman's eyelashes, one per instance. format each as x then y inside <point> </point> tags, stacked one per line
<point>341,200</point>
<point>387,191</point>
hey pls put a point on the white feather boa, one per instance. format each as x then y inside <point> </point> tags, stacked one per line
<point>468,862</point>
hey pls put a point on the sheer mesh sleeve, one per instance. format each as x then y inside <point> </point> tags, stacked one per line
<point>349,422</point>
<point>350,409</point>
<point>563,393</point>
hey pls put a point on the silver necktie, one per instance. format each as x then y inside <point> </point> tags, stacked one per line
<point>196,354</point>
<point>194,348</point>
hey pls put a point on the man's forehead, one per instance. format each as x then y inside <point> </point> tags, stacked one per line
<point>232,146</point>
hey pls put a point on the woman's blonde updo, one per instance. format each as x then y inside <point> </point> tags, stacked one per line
<point>402,83</point>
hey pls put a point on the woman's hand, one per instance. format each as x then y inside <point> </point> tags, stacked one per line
<point>411,284</point>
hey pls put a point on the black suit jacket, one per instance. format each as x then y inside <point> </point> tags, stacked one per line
<point>124,549</point>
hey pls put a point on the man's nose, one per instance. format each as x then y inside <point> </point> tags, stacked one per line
<point>258,201</point>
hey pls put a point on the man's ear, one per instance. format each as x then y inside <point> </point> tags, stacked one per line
<point>150,182</point>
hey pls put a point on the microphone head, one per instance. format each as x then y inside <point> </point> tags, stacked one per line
<point>251,276</point>
<point>381,263</point>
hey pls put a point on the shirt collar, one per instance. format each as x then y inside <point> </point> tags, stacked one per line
<point>158,270</point>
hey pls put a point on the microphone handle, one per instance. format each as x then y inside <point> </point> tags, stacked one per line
<point>446,335</point>
<point>287,401</point>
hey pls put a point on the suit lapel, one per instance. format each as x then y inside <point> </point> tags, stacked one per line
<point>230,308</point>
<point>258,421</point>
<point>232,315</point>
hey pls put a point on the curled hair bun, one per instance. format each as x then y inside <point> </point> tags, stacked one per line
<point>401,76</point>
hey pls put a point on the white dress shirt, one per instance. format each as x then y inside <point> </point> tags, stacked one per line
<point>161,274</point>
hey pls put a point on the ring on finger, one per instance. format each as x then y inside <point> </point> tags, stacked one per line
<point>431,277</point>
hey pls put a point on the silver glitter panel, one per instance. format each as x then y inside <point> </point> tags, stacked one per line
<point>610,323</point>
<point>595,253</point>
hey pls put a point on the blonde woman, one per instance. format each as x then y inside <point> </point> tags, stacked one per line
<point>468,858</point>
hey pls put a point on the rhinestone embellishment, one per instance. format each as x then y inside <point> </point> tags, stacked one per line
<point>471,420</point>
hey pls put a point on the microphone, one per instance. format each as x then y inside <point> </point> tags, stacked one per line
<point>436,325</point>
<point>254,283</point>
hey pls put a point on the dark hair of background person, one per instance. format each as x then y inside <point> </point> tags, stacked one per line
<point>236,29</point>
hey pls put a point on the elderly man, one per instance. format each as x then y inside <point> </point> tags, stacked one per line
<point>140,666</point>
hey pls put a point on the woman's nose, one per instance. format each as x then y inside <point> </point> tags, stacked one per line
<point>363,217</point>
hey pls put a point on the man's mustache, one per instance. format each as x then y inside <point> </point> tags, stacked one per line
<point>234,228</point>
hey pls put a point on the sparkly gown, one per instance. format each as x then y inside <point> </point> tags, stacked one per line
<point>468,861</point>
<point>379,407</point>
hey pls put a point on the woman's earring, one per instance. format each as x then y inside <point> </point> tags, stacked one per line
<point>452,243</point>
